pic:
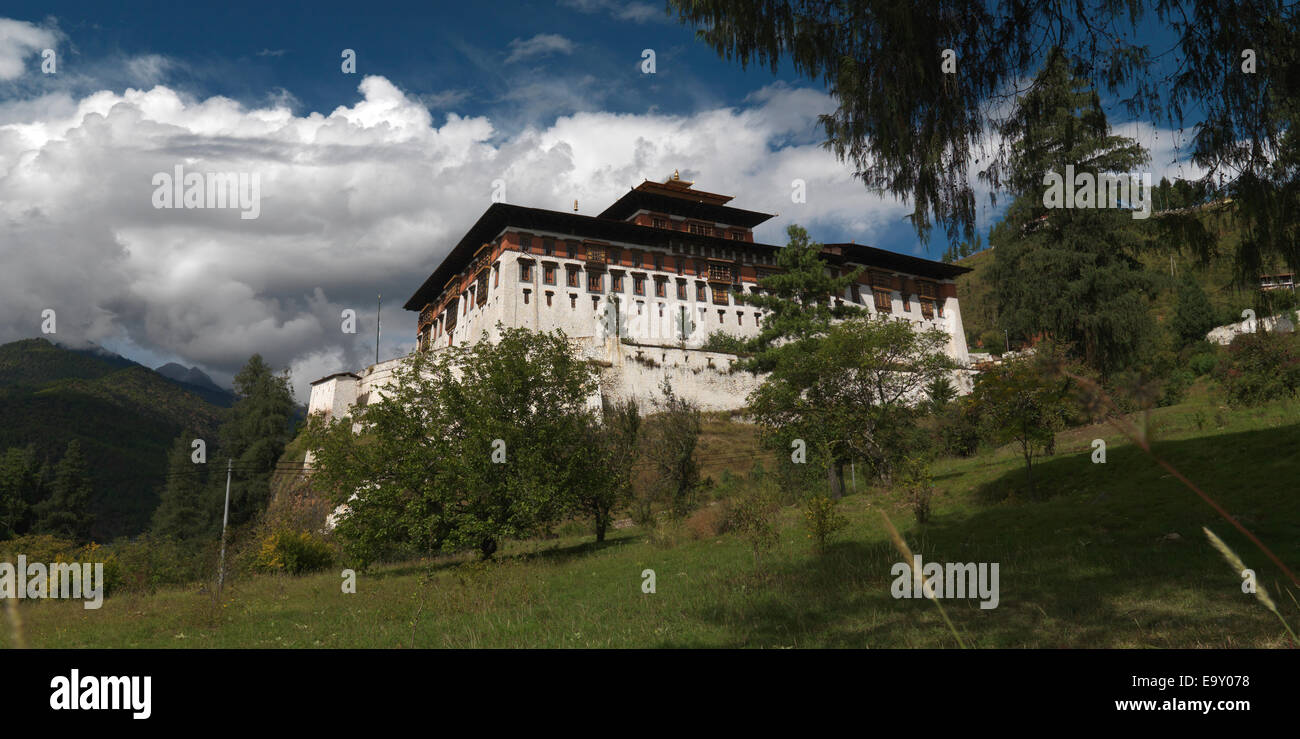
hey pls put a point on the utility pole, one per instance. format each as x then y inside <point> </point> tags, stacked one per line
<point>225,518</point>
<point>378,325</point>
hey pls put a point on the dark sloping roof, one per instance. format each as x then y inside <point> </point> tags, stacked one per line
<point>885,259</point>
<point>353,375</point>
<point>704,208</point>
<point>500,216</point>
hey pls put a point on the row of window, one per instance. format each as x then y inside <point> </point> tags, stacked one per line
<point>596,283</point>
<point>595,305</point>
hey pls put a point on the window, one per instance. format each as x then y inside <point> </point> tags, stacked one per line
<point>525,242</point>
<point>571,277</point>
<point>883,302</point>
<point>740,318</point>
<point>617,281</point>
<point>700,269</point>
<point>722,316</point>
<point>525,271</point>
<point>681,290</point>
<point>927,309</point>
<point>719,273</point>
<point>720,296</point>
<point>595,303</point>
<point>681,266</point>
<point>548,247</point>
<point>526,294</point>
<point>701,229</point>
<point>856,293</point>
<point>482,287</point>
<point>496,275</point>
<point>659,262</point>
<point>638,284</point>
<point>700,294</point>
<point>737,235</point>
<point>661,288</point>
<point>572,249</point>
<point>549,295</point>
<point>595,282</point>
<point>573,301</point>
<point>659,222</point>
<point>925,289</point>
<point>614,255</point>
<point>548,274</point>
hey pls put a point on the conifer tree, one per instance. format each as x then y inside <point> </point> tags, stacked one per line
<point>1069,273</point>
<point>255,435</point>
<point>181,512</point>
<point>66,512</point>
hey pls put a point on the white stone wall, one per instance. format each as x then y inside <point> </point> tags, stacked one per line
<point>1281,323</point>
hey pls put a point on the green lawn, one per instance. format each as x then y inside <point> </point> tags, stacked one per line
<point>1113,556</point>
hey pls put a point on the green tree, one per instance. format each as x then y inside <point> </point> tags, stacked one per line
<point>614,448</point>
<point>469,446</point>
<point>22,487</point>
<point>917,87</point>
<point>1193,315</point>
<point>672,435</point>
<point>66,513</point>
<point>854,395</point>
<point>255,435</point>
<point>799,302</point>
<point>1069,274</point>
<point>1024,404</point>
<point>181,512</point>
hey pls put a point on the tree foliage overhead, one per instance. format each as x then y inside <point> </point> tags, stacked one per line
<point>915,132</point>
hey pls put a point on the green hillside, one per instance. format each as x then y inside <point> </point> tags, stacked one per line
<point>978,300</point>
<point>124,415</point>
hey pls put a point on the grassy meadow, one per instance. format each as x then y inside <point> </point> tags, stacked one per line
<point>1108,555</point>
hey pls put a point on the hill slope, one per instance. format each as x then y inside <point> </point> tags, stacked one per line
<point>125,416</point>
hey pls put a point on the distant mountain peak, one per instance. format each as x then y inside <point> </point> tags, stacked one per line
<point>187,375</point>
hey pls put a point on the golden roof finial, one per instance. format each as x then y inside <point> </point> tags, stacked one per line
<point>575,205</point>
<point>675,176</point>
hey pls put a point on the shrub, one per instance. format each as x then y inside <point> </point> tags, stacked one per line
<point>294,552</point>
<point>1175,387</point>
<point>753,516</point>
<point>1202,364</point>
<point>721,341</point>
<point>822,520</point>
<point>1259,367</point>
<point>147,563</point>
<point>960,431</point>
<point>709,522</point>
<point>918,487</point>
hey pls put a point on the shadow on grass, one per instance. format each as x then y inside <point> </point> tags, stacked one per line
<point>1110,555</point>
<point>555,554</point>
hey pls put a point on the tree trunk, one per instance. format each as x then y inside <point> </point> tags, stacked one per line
<point>602,523</point>
<point>487,547</point>
<point>835,474</point>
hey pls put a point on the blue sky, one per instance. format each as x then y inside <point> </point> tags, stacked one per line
<point>368,178</point>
